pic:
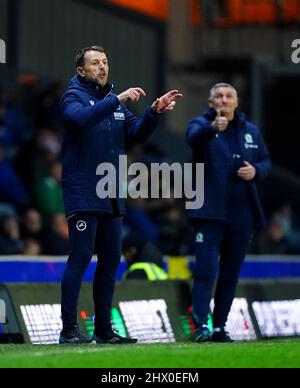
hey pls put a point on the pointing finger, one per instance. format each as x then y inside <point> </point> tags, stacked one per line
<point>172,94</point>
<point>178,95</point>
<point>171,106</point>
<point>140,91</point>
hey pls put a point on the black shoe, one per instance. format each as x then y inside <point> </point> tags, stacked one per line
<point>73,336</point>
<point>202,334</point>
<point>220,335</point>
<point>110,337</point>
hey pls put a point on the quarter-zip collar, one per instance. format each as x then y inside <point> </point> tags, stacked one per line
<point>91,87</point>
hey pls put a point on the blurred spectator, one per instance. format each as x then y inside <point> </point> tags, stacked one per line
<point>176,234</point>
<point>49,144</point>
<point>7,210</point>
<point>12,190</point>
<point>36,156</point>
<point>272,241</point>
<point>49,193</point>
<point>12,128</point>
<point>25,95</point>
<point>284,216</point>
<point>55,237</point>
<point>138,220</point>
<point>10,243</point>
<point>31,224</point>
<point>48,108</point>
<point>31,247</point>
<point>143,259</point>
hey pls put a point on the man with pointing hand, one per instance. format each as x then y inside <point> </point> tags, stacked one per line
<point>235,158</point>
<point>97,124</point>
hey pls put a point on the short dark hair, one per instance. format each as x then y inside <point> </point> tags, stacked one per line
<point>79,60</point>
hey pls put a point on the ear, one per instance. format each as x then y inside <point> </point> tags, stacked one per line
<point>210,103</point>
<point>80,71</point>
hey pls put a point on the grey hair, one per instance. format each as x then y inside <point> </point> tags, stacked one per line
<point>221,85</point>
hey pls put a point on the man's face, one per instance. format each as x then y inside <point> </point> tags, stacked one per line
<point>224,99</point>
<point>95,67</point>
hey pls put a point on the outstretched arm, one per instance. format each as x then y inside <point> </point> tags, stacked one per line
<point>81,116</point>
<point>141,129</point>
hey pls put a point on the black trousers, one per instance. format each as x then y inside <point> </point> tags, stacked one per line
<point>220,248</point>
<point>89,233</point>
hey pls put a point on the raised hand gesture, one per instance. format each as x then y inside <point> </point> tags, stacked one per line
<point>167,102</point>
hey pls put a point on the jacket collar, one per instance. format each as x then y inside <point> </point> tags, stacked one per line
<point>91,87</point>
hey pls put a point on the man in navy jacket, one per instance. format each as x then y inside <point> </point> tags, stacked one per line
<point>235,158</point>
<point>97,124</point>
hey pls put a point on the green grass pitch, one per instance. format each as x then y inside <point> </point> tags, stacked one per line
<point>267,354</point>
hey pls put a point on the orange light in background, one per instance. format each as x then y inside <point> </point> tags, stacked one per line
<point>83,315</point>
<point>195,14</point>
<point>27,79</point>
<point>249,12</point>
<point>158,9</point>
<point>291,10</point>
